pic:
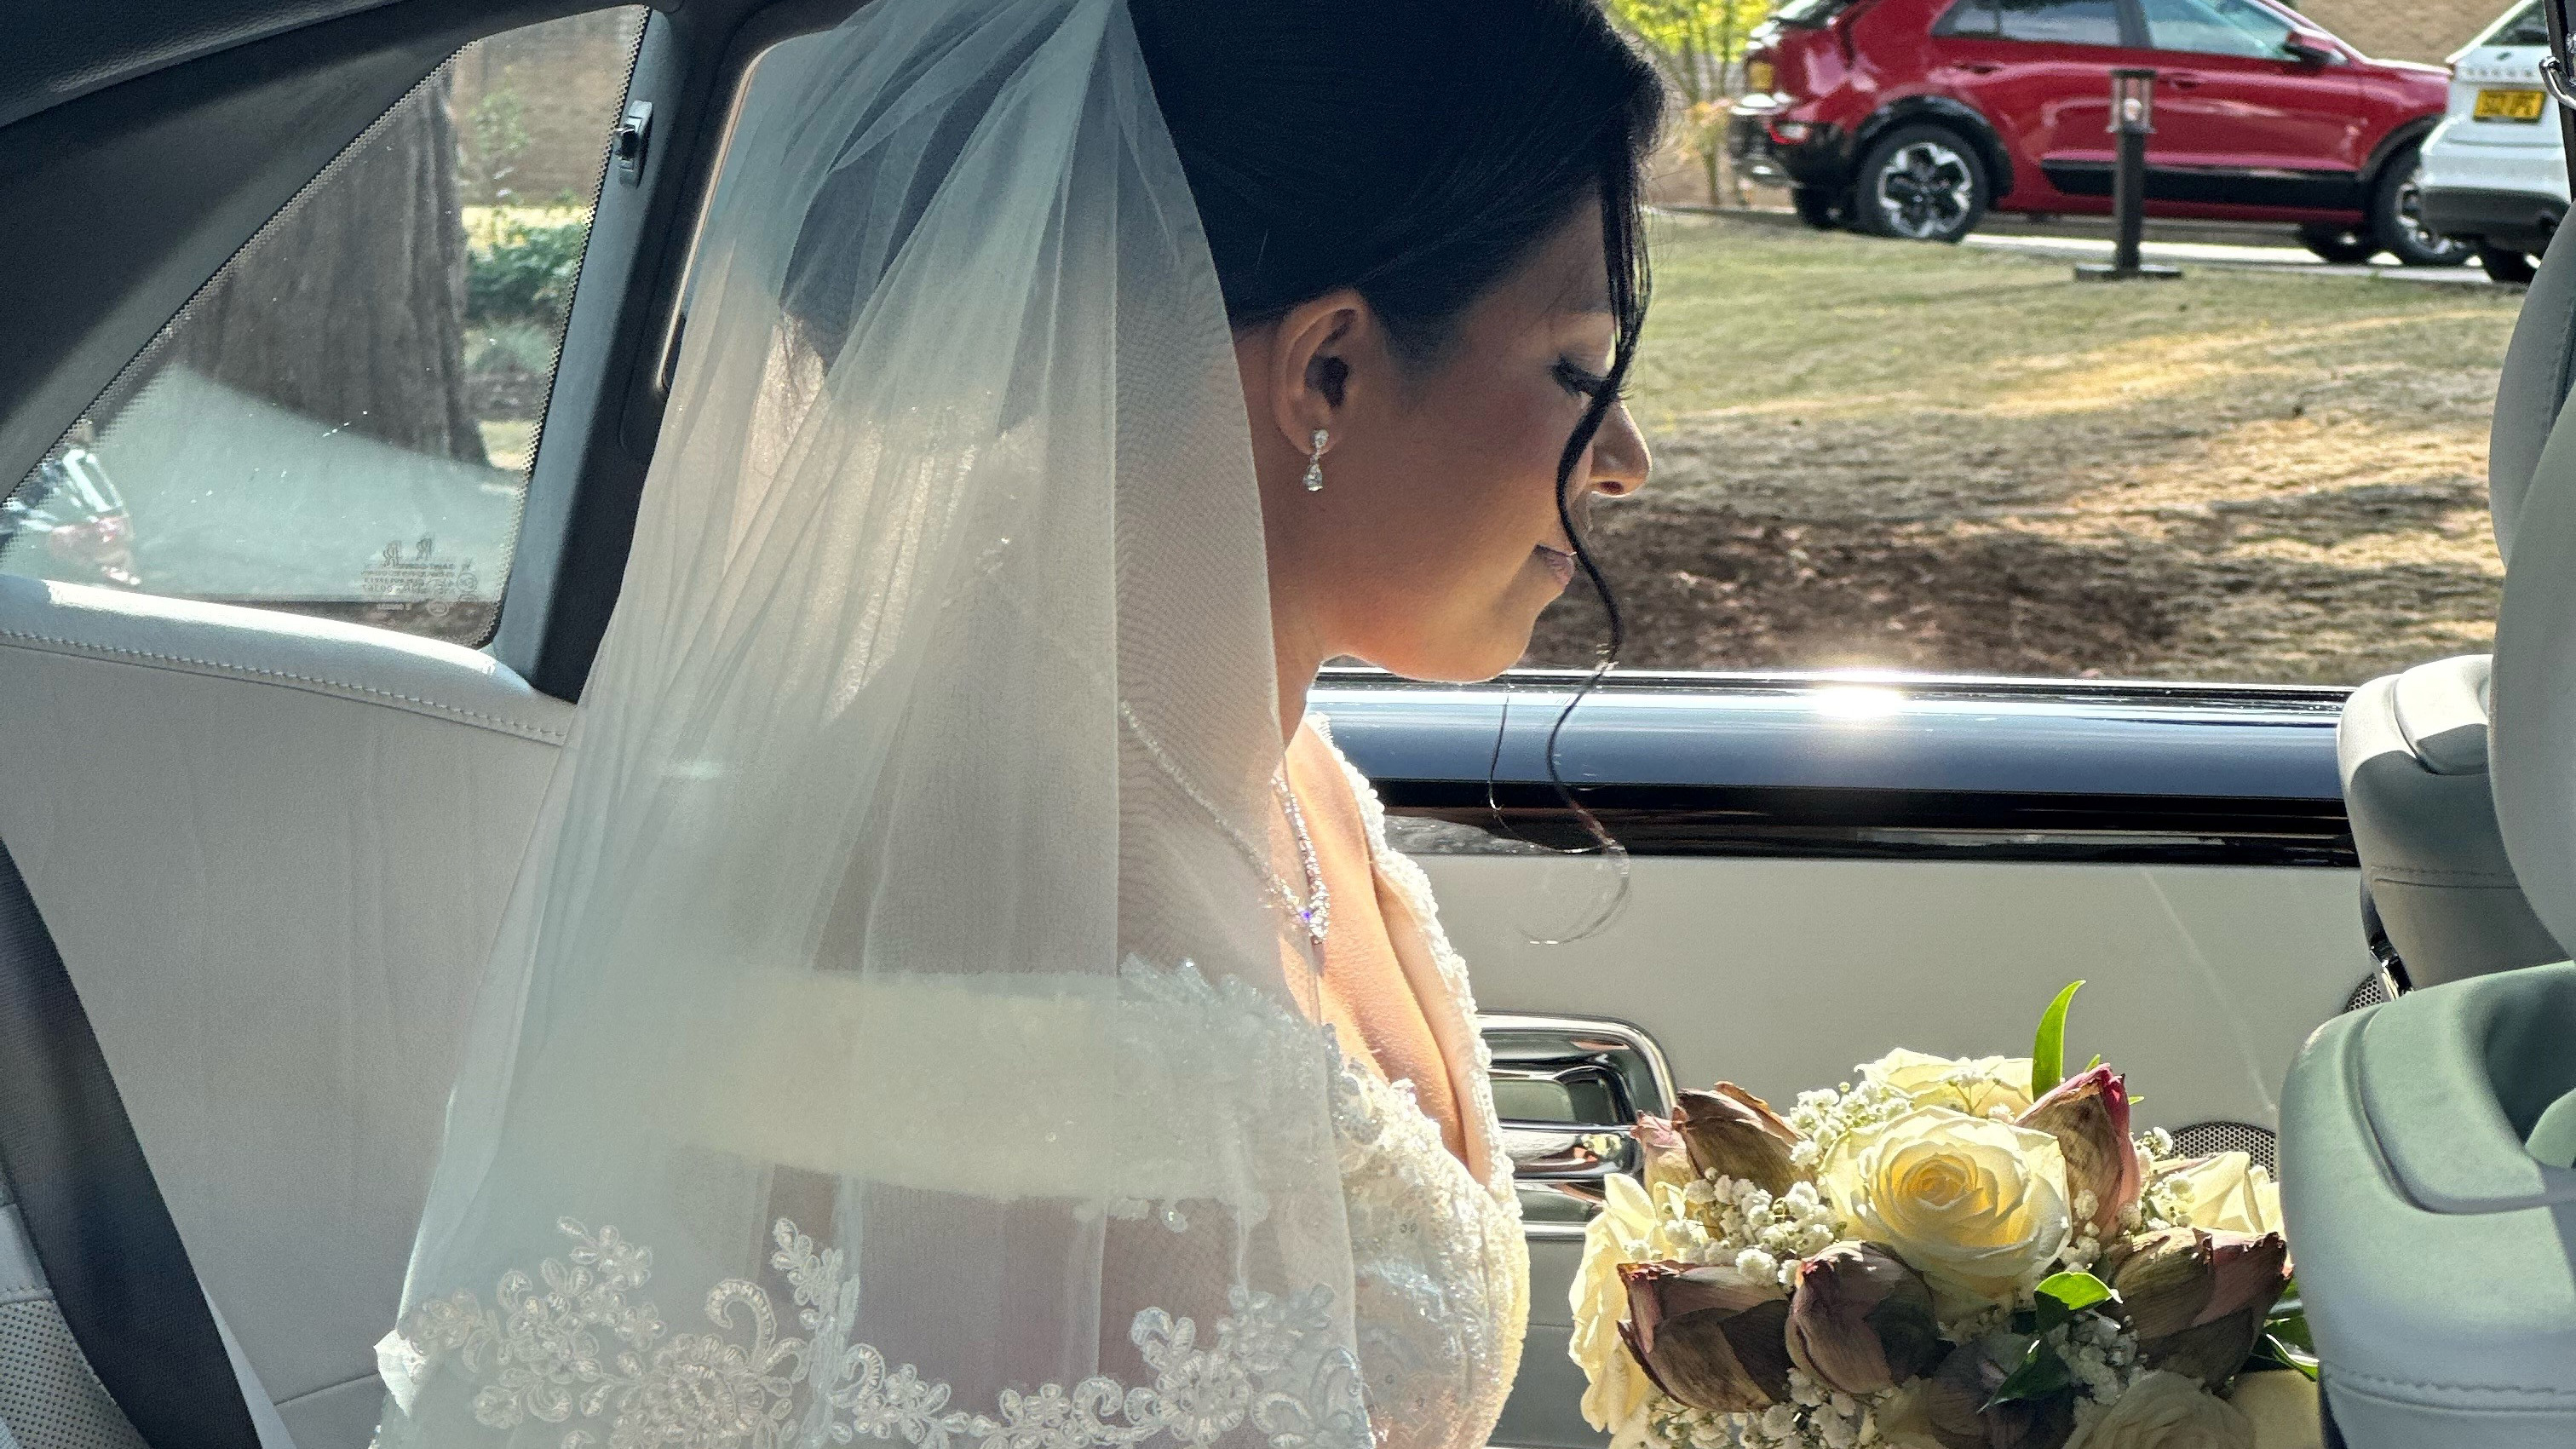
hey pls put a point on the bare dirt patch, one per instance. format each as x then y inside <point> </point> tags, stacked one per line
<point>1875,454</point>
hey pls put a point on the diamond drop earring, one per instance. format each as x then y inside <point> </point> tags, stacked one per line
<point>1315,461</point>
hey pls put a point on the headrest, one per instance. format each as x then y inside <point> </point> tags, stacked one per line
<point>2538,367</point>
<point>2532,728</point>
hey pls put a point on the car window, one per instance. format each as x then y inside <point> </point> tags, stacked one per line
<point>1809,12</point>
<point>2526,26</point>
<point>1967,17</point>
<point>343,420</point>
<point>2066,22</point>
<point>2216,27</point>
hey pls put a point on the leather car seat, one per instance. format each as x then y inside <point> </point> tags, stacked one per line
<point>2428,1145</point>
<point>2414,747</point>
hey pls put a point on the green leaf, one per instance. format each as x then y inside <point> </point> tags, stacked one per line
<point>2048,1052</point>
<point>2041,1374</point>
<point>2271,1353</point>
<point>2064,1295</point>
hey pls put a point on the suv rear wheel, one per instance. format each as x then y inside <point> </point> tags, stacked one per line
<point>2397,217</point>
<point>1921,183</point>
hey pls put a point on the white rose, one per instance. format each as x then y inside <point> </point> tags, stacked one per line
<point>1975,1205</point>
<point>1973,1085</point>
<point>1904,1418</point>
<point>2226,1193</point>
<point>1626,1230</point>
<point>2166,1411</point>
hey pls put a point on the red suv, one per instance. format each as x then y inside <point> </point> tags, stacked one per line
<point>1910,118</point>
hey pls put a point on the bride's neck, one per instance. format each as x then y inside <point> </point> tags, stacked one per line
<point>1299,661</point>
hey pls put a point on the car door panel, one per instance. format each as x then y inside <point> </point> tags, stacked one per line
<point>273,852</point>
<point>2048,97</point>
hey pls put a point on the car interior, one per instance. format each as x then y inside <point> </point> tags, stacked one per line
<point>247,846</point>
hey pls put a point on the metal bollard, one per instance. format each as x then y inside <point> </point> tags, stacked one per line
<point>2133,119</point>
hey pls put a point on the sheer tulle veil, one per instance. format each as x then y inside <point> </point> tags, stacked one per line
<point>896,1031</point>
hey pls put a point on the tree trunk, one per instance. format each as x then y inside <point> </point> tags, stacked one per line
<point>351,308</point>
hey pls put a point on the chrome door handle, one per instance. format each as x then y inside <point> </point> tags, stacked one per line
<point>2553,76</point>
<point>1568,1091</point>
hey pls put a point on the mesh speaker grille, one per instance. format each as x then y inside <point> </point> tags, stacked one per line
<point>49,1398</point>
<point>2202,1139</point>
<point>2372,991</point>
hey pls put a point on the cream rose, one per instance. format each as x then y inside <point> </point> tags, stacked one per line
<point>2166,1411</point>
<point>1628,1229</point>
<point>1904,1419</point>
<point>1973,1204</point>
<point>1977,1086</point>
<point>2225,1193</point>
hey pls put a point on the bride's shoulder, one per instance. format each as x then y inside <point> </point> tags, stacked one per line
<point>1318,729</point>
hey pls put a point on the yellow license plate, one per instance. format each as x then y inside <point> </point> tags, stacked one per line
<point>1758,76</point>
<point>2509,105</point>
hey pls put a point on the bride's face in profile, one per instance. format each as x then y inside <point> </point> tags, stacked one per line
<point>1436,538</point>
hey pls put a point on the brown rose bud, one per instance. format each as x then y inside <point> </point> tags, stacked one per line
<point>1665,1157</point>
<point>1707,1336</point>
<point>1861,1321</point>
<point>1733,1133</point>
<point>2088,1114</point>
<point>2197,1299</point>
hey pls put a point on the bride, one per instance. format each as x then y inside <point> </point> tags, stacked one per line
<point>935,1006</point>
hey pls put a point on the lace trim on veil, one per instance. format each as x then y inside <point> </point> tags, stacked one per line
<point>573,1347</point>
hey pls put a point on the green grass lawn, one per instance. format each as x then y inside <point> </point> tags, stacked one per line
<point>1881,453</point>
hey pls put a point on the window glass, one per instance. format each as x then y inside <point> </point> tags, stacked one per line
<point>2216,27</point>
<point>2527,27</point>
<point>1880,454</point>
<point>1967,17</point>
<point>342,421</point>
<point>1810,12</point>
<point>2066,22</point>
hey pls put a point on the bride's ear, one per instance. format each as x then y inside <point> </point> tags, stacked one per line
<point>1311,372</point>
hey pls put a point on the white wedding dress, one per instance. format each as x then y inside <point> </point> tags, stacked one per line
<point>890,1039</point>
<point>1441,1266</point>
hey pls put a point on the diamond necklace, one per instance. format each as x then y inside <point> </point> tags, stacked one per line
<point>1315,910</point>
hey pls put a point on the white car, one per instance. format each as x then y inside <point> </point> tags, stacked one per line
<point>2494,171</point>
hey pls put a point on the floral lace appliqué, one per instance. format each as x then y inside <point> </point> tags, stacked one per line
<point>573,1346</point>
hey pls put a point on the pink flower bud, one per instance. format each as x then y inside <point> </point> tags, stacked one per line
<point>2088,1114</point>
<point>1707,1336</point>
<point>1733,1133</point>
<point>1861,1321</point>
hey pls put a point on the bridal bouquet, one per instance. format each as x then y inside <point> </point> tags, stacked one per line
<point>1945,1254</point>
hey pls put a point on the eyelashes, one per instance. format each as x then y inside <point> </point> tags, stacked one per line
<point>1583,382</point>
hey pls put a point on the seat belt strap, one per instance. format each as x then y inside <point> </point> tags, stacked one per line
<point>102,1234</point>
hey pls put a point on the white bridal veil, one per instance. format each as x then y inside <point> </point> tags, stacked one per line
<point>897,1032</point>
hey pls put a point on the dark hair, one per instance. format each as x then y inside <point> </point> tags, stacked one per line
<point>1416,151</point>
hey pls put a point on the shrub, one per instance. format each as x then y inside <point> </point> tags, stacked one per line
<point>526,274</point>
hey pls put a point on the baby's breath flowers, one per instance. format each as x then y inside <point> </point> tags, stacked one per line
<point>1940,1251</point>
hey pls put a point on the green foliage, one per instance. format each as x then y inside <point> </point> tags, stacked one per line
<point>2041,1373</point>
<point>525,274</point>
<point>1697,44</point>
<point>498,128</point>
<point>2048,1050</point>
<point>2286,1341</point>
<point>2064,1295</point>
